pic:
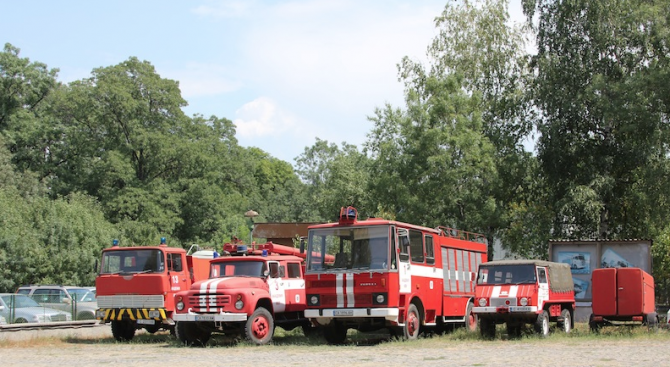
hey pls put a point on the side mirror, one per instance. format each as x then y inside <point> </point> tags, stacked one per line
<point>66,300</point>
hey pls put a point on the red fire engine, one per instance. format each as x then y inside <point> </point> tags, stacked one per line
<point>136,285</point>
<point>519,292</point>
<point>389,274</point>
<point>249,292</point>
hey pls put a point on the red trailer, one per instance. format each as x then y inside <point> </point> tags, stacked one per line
<point>621,296</point>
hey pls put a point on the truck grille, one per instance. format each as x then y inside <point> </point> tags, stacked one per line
<point>131,301</point>
<point>501,302</point>
<point>209,300</point>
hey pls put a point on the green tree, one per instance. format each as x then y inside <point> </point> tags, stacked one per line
<point>603,131</point>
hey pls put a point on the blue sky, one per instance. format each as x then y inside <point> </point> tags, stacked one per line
<point>285,72</point>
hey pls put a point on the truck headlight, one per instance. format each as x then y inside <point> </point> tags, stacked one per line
<point>313,300</point>
<point>239,304</point>
<point>180,305</point>
<point>523,301</point>
<point>482,302</point>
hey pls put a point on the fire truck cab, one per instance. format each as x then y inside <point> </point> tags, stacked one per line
<point>380,274</point>
<point>250,290</point>
<point>136,286</point>
<point>519,292</point>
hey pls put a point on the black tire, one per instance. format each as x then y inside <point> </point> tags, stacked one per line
<point>179,332</point>
<point>487,328</point>
<point>593,325</point>
<point>123,330</point>
<point>513,329</point>
<point>412,323</point>
<point>20,320</point>
<point>260,327</point>
<point>566,323</point>
<point>191,334</point>
<point>542,324</point>
<point>335,333</point>
<point>309,330</point>
<point>470,319</point>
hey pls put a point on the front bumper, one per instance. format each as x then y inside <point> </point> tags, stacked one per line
<point>214,317</point>
<point>505,310</point>
<point>134,314</point>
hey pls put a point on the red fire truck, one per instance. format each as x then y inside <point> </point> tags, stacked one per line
<point>251,289</point>
<point>389,275</point>
<point>136,285</point>
<point>519,292</point>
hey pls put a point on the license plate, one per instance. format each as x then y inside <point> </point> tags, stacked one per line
<point>146,322</point>
<point>521,309</point>
<point>343,313</point>
<point>204,318</point>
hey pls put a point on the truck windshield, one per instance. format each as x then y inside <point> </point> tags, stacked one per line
<point>362,248</point>
<point>132,261</point>
<point>238,268</point>
<point>506,274</point>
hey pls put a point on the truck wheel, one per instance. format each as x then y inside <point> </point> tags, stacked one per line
<point>470,319</point>
<point>566,324</point>
<point>335,333</point>
<point>593,325</point>
<point>412,323</point>
<point>191,334</point>
<point>513,329</point>
<point>123,330</point>
<point>542,324</point>
<point>487,328</point>
<point>260,327</point>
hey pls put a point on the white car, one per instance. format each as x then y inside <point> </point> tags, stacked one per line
<point>24,309</point>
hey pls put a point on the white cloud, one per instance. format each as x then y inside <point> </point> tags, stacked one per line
<point>262,117</point>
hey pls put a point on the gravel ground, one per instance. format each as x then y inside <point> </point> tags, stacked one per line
<point>94,346</point>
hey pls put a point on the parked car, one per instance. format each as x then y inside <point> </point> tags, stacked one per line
<point>19,308</point>
<point>3,321</point>
<point>77,300</point>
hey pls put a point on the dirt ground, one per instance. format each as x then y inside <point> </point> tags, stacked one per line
<point>94,346</point>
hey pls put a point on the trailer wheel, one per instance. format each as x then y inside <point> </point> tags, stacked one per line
<point>412,323</point>
<point>335,333</point>
<point>487,328</point>
<point>470,319</point>
<point>593,325</point>
<point>542,324</point>
<point>260,327</point>
<point>566,324</point>
<point>191,334</point>
<point>123,330</point>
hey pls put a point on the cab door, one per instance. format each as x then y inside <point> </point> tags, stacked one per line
<point>542,287</point>
<point>277,286</point>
